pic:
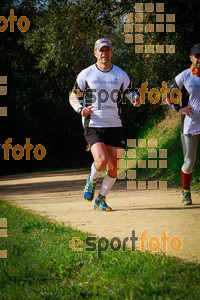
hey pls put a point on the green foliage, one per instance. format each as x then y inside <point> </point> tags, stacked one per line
<point>42,64</point>
<point>170,139</point>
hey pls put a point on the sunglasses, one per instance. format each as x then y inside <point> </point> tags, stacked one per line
<point>197,55</point>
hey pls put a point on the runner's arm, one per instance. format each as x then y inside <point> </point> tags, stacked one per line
<point>181,107</point>
<point>132,96</point>
<point>76,98</point>
<point>176,107</point>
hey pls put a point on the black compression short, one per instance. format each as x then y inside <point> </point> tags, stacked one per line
<point>110,136</point>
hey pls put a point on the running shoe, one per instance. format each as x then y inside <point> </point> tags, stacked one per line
<point>100,204</point>
<point>89,189</point>
<point>186,197</point>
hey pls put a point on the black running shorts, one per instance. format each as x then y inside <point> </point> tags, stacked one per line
<point>110,136</point>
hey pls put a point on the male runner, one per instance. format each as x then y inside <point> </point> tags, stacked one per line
<point>189,83</point>
<point>103,86</point>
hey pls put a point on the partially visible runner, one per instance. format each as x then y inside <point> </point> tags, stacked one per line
<point>189,83</point>
<point>103,86</point>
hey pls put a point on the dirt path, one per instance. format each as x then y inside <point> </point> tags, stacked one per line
<point>59,195</point>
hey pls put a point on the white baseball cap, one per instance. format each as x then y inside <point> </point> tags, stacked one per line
<point>102,42</point>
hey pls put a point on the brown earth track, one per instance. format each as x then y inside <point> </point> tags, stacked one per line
<point>59,195</point>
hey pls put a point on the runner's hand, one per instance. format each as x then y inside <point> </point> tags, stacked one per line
<point>186,110</point>
<point>136,101</point>
<point>86,111</point>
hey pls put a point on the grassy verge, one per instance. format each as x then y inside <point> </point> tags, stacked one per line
<point>40,265</point>
<point>167,133</point>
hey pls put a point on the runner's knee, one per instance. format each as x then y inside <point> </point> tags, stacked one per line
<point>112,171</point>
<point>188,166</point>
<point>101,162</point>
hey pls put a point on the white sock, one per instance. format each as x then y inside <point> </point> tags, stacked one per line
<point>94,172</point>
<point>107,184</point>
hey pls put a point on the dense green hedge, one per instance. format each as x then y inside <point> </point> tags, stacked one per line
<point>42,64</point>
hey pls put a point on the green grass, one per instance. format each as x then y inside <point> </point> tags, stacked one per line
<point>167,139</point>
<point>40,265</point>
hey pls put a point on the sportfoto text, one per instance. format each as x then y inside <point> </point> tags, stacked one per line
<point>23,23</point>
<point>153,243</point>
<point>17,151</point>
<point>103,95</point>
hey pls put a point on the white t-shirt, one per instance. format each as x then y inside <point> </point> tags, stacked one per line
<point>191,83</point>
<point>103,90</point>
